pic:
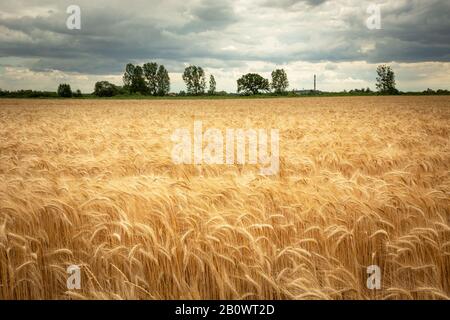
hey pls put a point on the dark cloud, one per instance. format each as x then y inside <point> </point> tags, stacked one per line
<point>114,33</point>
<point>209,16</point>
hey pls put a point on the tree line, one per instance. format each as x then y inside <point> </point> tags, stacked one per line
<point>152,79</point>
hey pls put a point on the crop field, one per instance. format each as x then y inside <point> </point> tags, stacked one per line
<point>362,181</point>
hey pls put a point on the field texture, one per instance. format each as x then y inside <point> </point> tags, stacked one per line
<point>362,181</point>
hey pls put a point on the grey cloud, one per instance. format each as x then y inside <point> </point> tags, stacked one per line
<point>209,16</point>
<point>288,4</point>
<point>114,33</point>
<point>413,33</point>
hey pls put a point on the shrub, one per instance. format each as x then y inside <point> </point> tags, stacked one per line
<point>105,89</point>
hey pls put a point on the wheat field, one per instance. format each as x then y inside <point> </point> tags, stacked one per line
<point>362,181</point>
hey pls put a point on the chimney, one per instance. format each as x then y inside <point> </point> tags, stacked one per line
<point>314,83</point>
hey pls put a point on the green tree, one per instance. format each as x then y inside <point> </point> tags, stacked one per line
<point>162,81</point>
<point>212,85</point>
<point>64,90</point>
<point>133,79</point>
<point>279,81</point>
<point>105,89</point>
<point>194,77</point>
<point>386,80</point>
<point>252,83</point>
<point>150,74</point>
<point>138,81</point>
<point>128,77</point>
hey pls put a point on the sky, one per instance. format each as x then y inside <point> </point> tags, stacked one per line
<point>331,39</point>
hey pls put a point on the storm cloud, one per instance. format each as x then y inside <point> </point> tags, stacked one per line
<point>226,37</point>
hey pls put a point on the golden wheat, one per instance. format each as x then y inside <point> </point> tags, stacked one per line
<point>362,181</point>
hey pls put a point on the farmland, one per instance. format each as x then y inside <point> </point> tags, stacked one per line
<point>362,181</point>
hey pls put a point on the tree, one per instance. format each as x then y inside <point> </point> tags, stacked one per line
<point>252,83</point>
<point>133,79</point>
<point>279,81</point>
<point>150,74</point>
<point>163,81</point>
<point>194,77</point>
<point>105,89</point>
<point>386,80</point>
<point>137,81</point>
<point>212,85</point>
<point>64,90</point>
<point>128,76</point>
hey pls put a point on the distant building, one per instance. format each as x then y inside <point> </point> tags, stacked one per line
<point>308,91</point>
